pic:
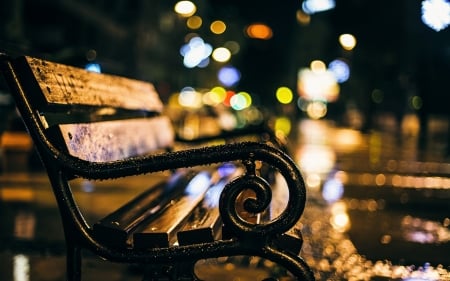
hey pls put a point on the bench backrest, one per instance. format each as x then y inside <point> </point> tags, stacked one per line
<point>94,117</point>
<point>99,126</point>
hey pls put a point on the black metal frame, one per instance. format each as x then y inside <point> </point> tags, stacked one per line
<point>248,238</point>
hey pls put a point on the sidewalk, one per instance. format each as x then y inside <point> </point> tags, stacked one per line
<point>357,235</point>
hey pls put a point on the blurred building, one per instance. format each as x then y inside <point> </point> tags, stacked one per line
<point>398,66</point>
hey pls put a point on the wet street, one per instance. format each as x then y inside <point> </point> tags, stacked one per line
<point>377,209</point>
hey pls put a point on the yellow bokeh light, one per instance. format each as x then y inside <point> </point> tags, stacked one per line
<point>221,54</point>
<point>212,98</point>
<point>259,31</point>
<point>340,222</point>
<point>218,27</point>
<point>307,156</point>
<point>284,95</point>
<point>283,125</point>
<point>240,101</point>
<point>185,8</point>
<point>219,92</point>
<point>194,22</point>
<point>247,98</point>
<point>347,41</point>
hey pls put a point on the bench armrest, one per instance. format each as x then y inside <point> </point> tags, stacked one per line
<point>247,152</point>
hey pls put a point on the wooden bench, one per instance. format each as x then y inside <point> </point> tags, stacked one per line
<point>99,126</point>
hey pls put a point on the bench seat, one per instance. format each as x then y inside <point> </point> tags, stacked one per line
<point>214,203</point>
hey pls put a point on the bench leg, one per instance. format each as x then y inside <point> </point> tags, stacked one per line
<point>73,263</point>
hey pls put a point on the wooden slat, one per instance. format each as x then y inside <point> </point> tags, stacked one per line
<point>62,85</point>
<point>114,140</point>
<point>116,227</point>
<point>162,231</point>
<point>204,225</point>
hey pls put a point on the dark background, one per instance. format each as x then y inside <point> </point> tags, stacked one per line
<point>395,51</point>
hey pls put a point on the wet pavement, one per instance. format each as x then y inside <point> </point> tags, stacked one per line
<point>377,209</point>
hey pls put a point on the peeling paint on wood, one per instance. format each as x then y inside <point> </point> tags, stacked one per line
<point>114,140</point>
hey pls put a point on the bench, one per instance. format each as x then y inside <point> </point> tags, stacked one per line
<point>99,126</point>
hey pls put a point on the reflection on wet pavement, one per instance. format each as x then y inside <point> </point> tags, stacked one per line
<point>371,214</point>
<point>381,209</point>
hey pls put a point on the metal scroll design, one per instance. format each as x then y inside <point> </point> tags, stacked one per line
<point>258,203</point>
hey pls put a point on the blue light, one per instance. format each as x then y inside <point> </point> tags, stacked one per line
<point>199,183</point>
<point>315,6</point>
<point>226,170</point>
<point>340,70</point>
<point>93,67</point>
<point>212,196</point>
<point>204,63</point>
<point>196,53</point>
<point>333,190</point>
<point>229,76</point>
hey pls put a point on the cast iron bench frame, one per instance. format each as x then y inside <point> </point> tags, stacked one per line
<point>245,238</point>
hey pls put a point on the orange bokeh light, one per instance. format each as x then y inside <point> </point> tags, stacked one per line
<point>259,31</point>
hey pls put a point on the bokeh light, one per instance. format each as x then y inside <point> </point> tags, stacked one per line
<point>229,75</point>
<point>316,109</point>
<point>203,63</point>
<point>316,6</point>
<point>220,92</point>
<point>93,67</point>
<point>194,22</point>
<point>189,97</point>
<point>284,95</point>
<point>339,217</point>
<point>221,54</point>
<point>317,85</point>
<point>211,98</point>
<point>340,69</point>
<point>308,155</point>
<point>347,41</point>
<point>332,190</point>
<point>436,14</point>
<point>303,18</point>
<point>259,31</point>
<point>318,66</point>
<point>218,27</point>
<point>227,99</point>
<point>282,126</point>
<point>240,101</point>
<point>185,8</point>
<point>195,52</point>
